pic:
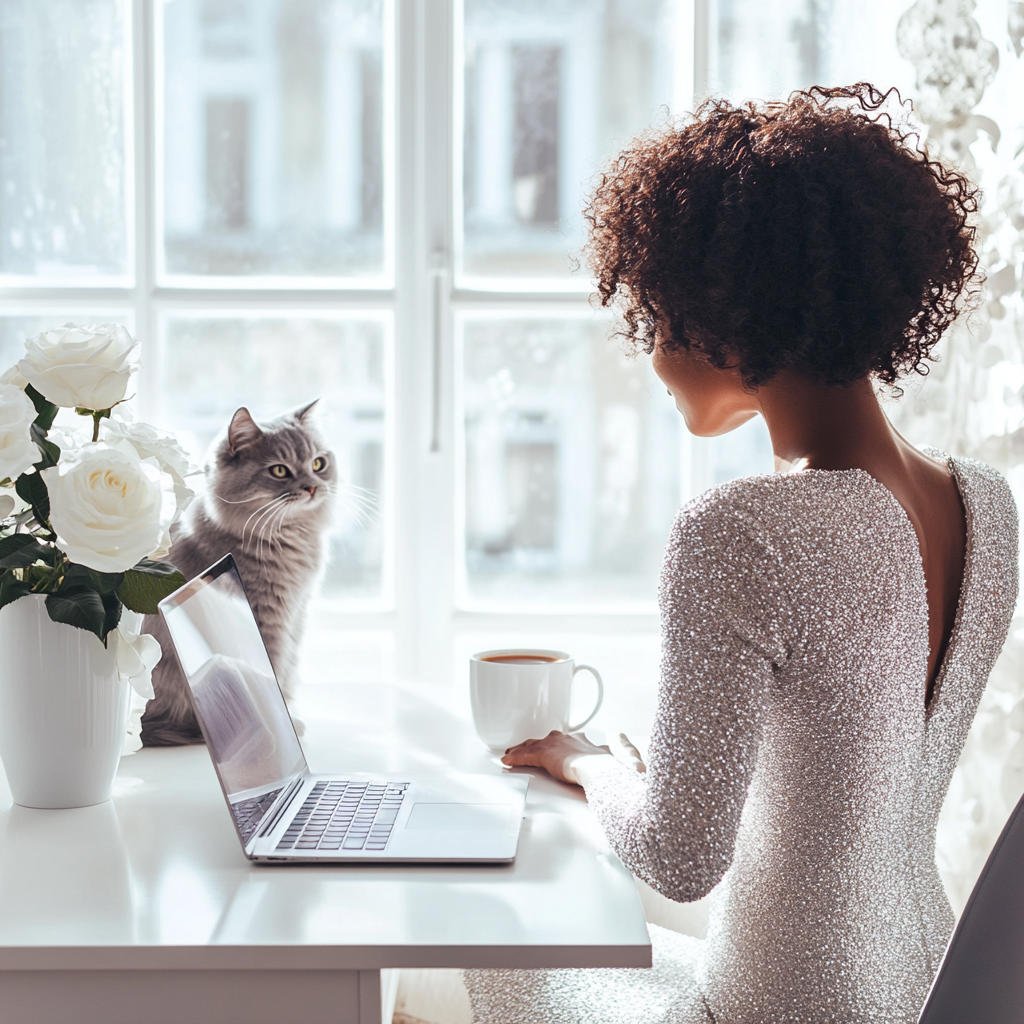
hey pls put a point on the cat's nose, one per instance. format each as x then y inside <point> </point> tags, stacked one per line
<point>312,491</point>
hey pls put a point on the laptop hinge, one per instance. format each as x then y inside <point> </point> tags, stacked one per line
<point>281,806</point>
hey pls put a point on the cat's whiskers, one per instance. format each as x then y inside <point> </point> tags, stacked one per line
<point>269,518</point>
<point>258,512</point>
<point>261,512</point>
<point>369,498</point>
<point>268,530</point>
<point>264,521</point>
<point>360,503</point>
<point>361,509</point>
<point>357,487</point>
<point>278,525</point>
<point>273,523</point>
<point>359,517</point>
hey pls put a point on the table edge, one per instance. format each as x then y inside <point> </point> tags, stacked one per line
<point>326,958</point>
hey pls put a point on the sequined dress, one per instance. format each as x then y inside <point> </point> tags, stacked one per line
<point>793,753</point>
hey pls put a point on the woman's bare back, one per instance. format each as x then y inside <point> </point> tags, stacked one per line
<point>930,497</point>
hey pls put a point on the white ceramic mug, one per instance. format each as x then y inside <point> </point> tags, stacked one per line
<point>523,694</point>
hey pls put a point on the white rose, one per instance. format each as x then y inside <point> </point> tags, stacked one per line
<point>152,443</point>
<point>137,656</point>
<point>80,367</point>
<point>108,507</point>
<point>18,451</point>
<point>13,376</point>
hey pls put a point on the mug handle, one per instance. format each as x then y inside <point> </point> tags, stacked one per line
<point>600,695</point>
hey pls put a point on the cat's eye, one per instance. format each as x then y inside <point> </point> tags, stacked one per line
<point>319,464</point>
<point>279,471</point>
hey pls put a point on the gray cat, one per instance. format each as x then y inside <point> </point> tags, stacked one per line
<point>269,497</point>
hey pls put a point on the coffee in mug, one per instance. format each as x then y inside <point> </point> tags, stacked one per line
<point>524,694</point>
<point>521,659</point>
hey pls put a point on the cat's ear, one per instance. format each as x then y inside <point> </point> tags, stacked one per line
<point>301,414</point>
<point>243,430</point>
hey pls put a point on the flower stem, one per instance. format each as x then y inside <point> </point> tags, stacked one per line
<point>96,417</point>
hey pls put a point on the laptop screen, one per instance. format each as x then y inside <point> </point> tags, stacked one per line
<point>238,701</point>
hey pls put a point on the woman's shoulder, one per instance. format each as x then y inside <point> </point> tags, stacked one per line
<point>793,523</point>
<point>838,495</point>
<point>992,520</point>
<point>980,484</point>
<point>988,503</point>
<point>727,560</point>
<point>764,502</point>
<point>785,515</point>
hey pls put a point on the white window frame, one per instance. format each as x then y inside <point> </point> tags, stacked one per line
<point>424,603</point>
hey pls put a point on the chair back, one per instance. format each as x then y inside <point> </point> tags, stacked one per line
<point>981,977</point>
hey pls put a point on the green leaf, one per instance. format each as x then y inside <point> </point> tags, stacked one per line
<point>81,575</point>
<point>45,411</point>
<point>148,583</point>
<point>78,581</point>
<point>32,489</point>
<point>51,453</point>
<point>79,606</point>
<point>112,608</point>
<point>42,578</point>
<point>20,550</point>
<point>11,588</point>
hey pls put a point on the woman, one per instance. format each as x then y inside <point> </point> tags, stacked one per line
<point>828,629</point>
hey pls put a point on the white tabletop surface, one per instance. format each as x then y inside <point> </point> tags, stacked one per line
<point>156,877</point>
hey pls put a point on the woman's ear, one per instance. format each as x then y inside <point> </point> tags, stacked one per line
<point>243,430</point>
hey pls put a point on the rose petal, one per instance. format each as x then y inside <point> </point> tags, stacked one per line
<point>137,655</point>
<point>108,507</point>
<point>18,451</point>
<point>119,430</point>
<point>13,376</point>
<point>78,385</point>
<point>80,367</point>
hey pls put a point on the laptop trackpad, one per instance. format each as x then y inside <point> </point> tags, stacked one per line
<point>460,817</point>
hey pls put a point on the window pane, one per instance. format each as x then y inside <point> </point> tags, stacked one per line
<point>551,88</point>
<point>214,364</point>
<point>571,464</point>
<point>767,48</point>
<point>64,192</point>
<point>274,138</point>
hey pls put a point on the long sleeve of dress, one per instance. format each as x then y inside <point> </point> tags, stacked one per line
<point>727,625</point>
<point>793,747</point>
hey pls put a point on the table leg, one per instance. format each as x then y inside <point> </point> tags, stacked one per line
<point>196,997</point>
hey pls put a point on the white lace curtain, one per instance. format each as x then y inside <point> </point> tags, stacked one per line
<point>969,92</point>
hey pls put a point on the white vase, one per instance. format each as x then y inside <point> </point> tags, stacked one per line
<point>63,711</point>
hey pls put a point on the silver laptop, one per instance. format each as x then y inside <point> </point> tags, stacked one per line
<point>282,811</point>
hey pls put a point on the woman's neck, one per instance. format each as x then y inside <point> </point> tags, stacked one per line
<point>817,427</point>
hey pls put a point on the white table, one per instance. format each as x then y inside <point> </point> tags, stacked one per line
<point>144,909</point>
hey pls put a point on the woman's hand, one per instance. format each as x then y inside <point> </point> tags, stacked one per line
<point>555,753</point>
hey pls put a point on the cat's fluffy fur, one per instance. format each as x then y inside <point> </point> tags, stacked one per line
<point>276,529</point>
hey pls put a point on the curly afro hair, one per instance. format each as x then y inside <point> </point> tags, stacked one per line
<point>808,235</point>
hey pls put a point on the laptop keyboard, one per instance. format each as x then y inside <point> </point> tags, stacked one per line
<point>249,813</point>
<point>345,816</point>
